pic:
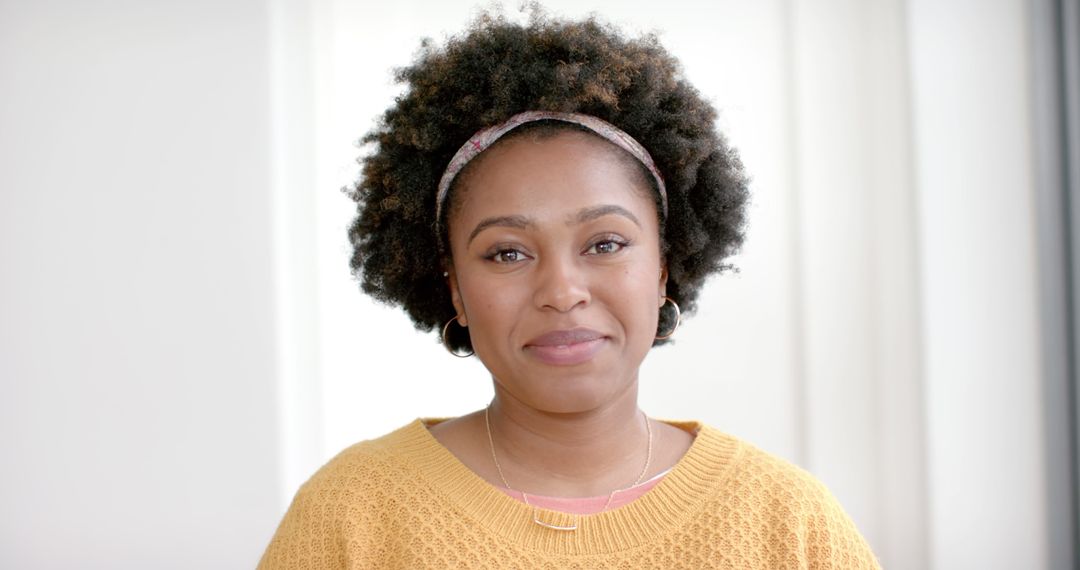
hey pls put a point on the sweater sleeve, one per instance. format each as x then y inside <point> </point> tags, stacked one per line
<point>831,540</point>
<point>804,525</point>
<point>309,535</point>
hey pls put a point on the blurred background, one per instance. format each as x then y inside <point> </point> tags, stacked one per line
<point>182,345</point>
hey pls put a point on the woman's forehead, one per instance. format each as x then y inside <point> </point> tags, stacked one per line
<point>552,177</point>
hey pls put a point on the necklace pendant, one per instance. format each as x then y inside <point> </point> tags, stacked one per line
<point>568,527</point>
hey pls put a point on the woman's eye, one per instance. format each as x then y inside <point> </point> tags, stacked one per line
<point>507,256</point>
<point>604,247</point>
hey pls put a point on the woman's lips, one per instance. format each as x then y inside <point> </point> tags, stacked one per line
<point>566,347</point>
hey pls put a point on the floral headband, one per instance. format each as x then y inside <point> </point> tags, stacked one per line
<point>486,137</point>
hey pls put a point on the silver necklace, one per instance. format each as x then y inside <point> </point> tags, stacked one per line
<point>536,510</point>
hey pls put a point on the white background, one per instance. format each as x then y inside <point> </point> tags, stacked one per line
<point>181,344</point>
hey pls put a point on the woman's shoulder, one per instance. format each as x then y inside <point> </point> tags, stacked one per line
<point>359,479</point>
<point>340,502</point>
<point>367,461</point>
<point>754,467</point>
<point>778,494</point>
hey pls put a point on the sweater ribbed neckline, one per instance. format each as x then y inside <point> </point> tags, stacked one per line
<point>657,513</point>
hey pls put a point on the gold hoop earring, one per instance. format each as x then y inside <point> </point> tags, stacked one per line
<point>446,343</point>
<point>678,318</point>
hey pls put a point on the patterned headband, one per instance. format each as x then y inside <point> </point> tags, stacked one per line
<point>487,137</point>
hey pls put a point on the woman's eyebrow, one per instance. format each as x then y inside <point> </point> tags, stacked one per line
<point>584,215</point>
<point>590,214</point>
<point>519,222</point>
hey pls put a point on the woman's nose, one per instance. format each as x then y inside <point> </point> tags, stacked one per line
<point>561,284</point>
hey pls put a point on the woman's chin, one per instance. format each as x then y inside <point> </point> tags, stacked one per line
<point>568,394</point>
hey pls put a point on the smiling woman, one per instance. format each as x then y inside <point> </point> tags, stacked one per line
<point>556,268</point>
<point>548,197</point>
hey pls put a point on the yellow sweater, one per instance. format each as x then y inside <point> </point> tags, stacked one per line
<point>404,501</point>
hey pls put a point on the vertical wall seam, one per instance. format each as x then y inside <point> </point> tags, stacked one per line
<point>1067,15</point>
<point>916,551</point>
<point>918,217</point>
<point>798,330</point>
<point>1056,275</point>
<point>294,253</point>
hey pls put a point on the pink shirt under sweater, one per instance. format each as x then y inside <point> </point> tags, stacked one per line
<point>587,505</point>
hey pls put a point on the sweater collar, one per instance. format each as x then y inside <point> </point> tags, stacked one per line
<point>677,498</point>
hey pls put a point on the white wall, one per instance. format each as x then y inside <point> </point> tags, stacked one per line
<point>137,417</point>
<point>858,289</point>
<point>970,75</point>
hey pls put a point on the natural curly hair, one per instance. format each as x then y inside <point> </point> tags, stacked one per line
<point>500,68</point>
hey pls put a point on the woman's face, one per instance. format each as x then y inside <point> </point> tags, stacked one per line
<point>556,268</point>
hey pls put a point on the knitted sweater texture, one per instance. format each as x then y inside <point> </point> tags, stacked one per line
<point>404,501</point>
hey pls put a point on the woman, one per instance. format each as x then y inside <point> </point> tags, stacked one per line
<point>548,197</point>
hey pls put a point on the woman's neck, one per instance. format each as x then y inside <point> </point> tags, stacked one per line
<point>579,454</point>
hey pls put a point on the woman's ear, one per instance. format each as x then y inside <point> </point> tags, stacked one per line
<point>663,282</point>
<point>455,295</point>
